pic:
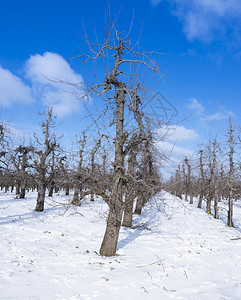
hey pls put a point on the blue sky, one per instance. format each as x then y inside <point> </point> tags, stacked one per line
<point>203,65</point>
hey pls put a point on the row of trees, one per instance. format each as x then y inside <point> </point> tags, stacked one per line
<point>212,177</point>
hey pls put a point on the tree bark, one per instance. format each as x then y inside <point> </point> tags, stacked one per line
<point>41,197</point>
<point>76,197</point>
<point>51,189</point>
<point>109,243</point>
<point>139,204</point>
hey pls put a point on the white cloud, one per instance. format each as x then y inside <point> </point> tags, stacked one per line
<point>174,151</point>
<point>205,19</point>
<point>182,134</point>
<point>220,115</point>
<point>195,106</point>
<point>13,90</point>
<point>45,72</point>
<point>176,133</point>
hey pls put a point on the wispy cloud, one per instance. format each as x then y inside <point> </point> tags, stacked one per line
<point>45,72</point>
<point>13,89</point>
<point>220,115</point>
<point>205,19</point>
<point>197,108</point>
<point>155,2</point>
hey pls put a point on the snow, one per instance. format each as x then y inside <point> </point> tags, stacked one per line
<point>173,251</point>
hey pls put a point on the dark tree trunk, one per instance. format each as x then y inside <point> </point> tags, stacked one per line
<point>230,212</point>
<point>202,180</point>
<point>22,192</point>
<point>67,190</point>
<point>76,197</point>
<point>231,177</point>
<point>51,190</point>
<point>208,207</point>
<point>200,200</point>
<point>128,213</point>
<point>40,200</point>
<point>216,197</point>
<point>139,205</point>
<point>191,198</point>
<point>109,243</point>
<point>17,188</point>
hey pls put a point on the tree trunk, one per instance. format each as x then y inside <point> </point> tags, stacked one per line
<point>200,200</point>
<point>202,180</point>
<point>139,204</point>
<point>208,207</point>
<point>109,243</point>
<point>17,188</point>
<point>191,198</point>
<point>76,197</point>
<point>41,197</point>
<point>51,190</point>
<point>230,212</point>
<point>216,197</point>
<point>67,190</point>
<point>128,213</point>
<point>22,190</point>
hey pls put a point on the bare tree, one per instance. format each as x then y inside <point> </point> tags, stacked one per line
<point>231,174</point>
<point>93,153</point>
<point>24,153</point>
<point>188,180</point>
<point>120,57</point>
<point>42,157</point>
<point>78,176</point>
<point>202,179</point>
<point>215,185</point>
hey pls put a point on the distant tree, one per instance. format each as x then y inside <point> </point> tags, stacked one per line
<point>22,176</point>
<point>78,175</point>
<point>202,180</point>
<point>231,174</point>
<point>188,180</point>
<point>46,145</point>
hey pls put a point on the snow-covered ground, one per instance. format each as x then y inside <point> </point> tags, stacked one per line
<point>174,251</point>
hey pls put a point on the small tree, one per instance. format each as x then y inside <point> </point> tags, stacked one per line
<point>78,175</point>
<point>188,180</point>
<point>24,153</point>
<point>202,180</point>
<point>46,145</point>
<point>231,174</point>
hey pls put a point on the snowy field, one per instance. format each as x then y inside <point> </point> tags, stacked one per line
<point>174,251</point>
